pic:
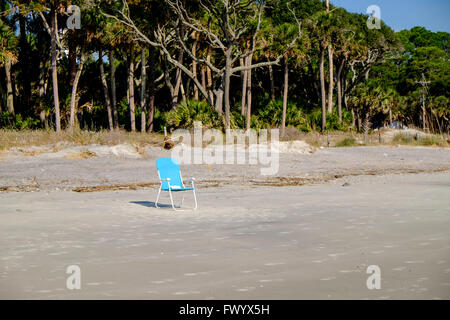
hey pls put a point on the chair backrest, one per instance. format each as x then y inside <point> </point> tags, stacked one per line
<point>169,168</point>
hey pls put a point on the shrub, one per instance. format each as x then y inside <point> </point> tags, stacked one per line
<point>271,115</point>
<point>429,141</point>
<point>16,122</point>
<point>419,140</point>
<point>315,120</point>
<point>401,138</point>
<point>347,142</point>
<point>188,111</point>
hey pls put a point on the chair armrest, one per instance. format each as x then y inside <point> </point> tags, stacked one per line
<point>168,179</point>
<point>189,179</point>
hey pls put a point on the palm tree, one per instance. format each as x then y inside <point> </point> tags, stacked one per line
<point>282,34</point>
<point>8,43</point>
<point>119,38</point>
<point>365,101</point>
<point>330,64</point>
<point>318,25</point>
<point>387,100</point>
<point>54,35</point>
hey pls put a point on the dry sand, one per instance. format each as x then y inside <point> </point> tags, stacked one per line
<point>253,237</point>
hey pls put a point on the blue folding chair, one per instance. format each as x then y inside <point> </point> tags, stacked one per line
<point>170,178</point>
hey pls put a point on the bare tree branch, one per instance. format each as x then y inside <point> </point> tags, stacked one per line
<point>49,30</point>
<point>127,21</point>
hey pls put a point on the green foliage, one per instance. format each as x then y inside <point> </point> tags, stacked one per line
<point>187,112</point>
<point>333,124</point>
<point>159,120</point>
<point>16,122</point>
<point>8,43</point>
<point>346,142</point>
<point>272,114</point>
<point>396,62</point>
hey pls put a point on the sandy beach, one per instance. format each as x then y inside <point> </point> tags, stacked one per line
<point>309,232</point>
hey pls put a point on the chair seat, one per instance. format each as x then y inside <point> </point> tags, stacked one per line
<point>176,188</point>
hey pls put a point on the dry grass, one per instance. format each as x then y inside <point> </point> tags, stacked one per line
<point>83,154</point>
<point>113,187</point>
<point>333,139</point>
<point>346,142</point>
<point>22,188</point>
<point>420,140</point>
<point>11,138</point>
<point>321,178</point>
<point>351,139</point>
<point>26,138</point>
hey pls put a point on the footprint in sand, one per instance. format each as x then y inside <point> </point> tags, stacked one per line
<point>271,264</point>
<point>246,289</point>
<point>181,293</point>
<point>193,274</point>
<point>328,279</point>
<point>249,271</point>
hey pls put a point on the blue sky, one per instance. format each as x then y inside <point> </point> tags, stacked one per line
<point>405,14</point>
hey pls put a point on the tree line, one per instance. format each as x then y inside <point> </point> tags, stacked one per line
<point>142,65</point>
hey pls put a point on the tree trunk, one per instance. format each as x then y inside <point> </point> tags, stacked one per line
<point>105,90</point>
<point>131,92</point>
<point>285,94</point>
<point>331,84</point>
<point>42,114</point>
<point>423,104</point>
<point>178,77</point>
<point>219,93</point>
<point>194,63</point>
<point>358,121</point>
<point>390,116</point>
<point>353,118</point>
<point>183,92</point>
<point>244,88</point>
<point>176,90</point>
<point>24,61</point>
<point>167,79</point>
<point>9,88</point>
<point>330,58</point>
<point>344,88</point>
<point>227,85</point>
<point>151,99</point>
<point>203,74</point>
<point>73,98</point>
<point>339,99</point>
<point>13,83</point>
<point>272,83</point>
<point>54,17</point>
<point>72,60</point>
<point>366,126</point>
<point>188,87</point>
<point>249,92</point>
<point>322,88</point>
<point>339,89</point>
<point>209,78</point>
<point>143,90</point>
<point>113,90</point>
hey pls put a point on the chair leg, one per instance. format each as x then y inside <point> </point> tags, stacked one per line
<point>171,201</point>
<point>157,198</point>
<point>182,200</point>
<point>195,199</point>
